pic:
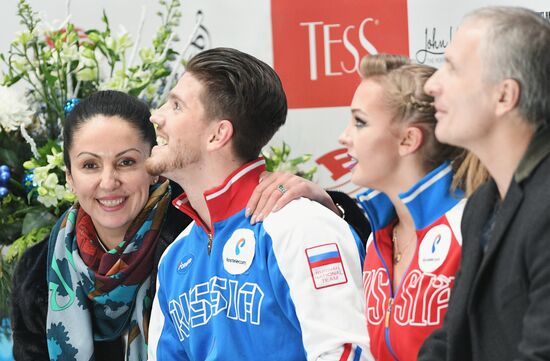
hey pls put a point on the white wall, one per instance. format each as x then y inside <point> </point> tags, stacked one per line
<point>246,24</point>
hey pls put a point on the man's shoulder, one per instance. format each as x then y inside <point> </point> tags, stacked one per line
<point>176,245</point>
<point>302,212</point>
<point>304,223</point>
<point>538,178</point>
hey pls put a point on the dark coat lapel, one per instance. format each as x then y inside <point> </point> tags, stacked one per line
<point>538,149</point>
<point>504,219</point>
<point>482,202</point>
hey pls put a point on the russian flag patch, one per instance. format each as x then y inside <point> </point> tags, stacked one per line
<point>325,265</point>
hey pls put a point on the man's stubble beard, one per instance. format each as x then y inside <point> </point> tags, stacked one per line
<point>181,159</point>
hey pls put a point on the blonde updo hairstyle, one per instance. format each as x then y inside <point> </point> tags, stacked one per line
<point>403,87</point>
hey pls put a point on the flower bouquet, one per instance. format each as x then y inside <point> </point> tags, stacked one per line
<point>277,159</point>
<point>48,71</point>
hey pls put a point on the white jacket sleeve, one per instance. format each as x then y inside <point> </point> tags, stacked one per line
<point>318,258</point>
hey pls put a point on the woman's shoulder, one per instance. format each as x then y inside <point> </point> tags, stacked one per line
<point>29,278</point>
<point>29,301</point>
<point>174,223</point>
<point>36,249</point>
<point>33,261</point>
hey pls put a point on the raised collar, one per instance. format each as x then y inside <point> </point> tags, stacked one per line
<point>427,200</point>
<point>228,198</point>
<point>538,149</point>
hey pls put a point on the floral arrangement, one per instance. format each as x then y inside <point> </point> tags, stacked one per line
<point>277,159</point>
<point>48,71</point>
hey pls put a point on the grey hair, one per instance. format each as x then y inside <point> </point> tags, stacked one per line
<point>516,45</point>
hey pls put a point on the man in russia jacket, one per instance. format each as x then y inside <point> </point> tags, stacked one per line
<point>287,288</point>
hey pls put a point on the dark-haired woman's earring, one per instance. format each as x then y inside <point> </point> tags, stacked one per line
<point>155,180</point>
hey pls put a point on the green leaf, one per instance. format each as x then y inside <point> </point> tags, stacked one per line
<point>31,194</point>
<point>10,80</point>
<point>93,36</point>
<point>50,79</point>
<point>104,49</point>
<point>20,245</point>
<point>9,232</point>
<point>105,20</point>
<point>9,157</point>
<point>161,73</point>
<point>302,159</point>
<point>37,219</point>
<point>277,160</point>
<point>286,150</point>
<point>6,271</point>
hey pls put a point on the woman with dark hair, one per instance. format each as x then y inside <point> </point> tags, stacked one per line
<point>414,203</point>
<point>86,293</point>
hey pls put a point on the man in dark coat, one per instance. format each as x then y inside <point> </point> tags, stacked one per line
<point>492,97</point>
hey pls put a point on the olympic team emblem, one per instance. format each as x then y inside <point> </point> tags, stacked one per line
<point>434,248</point>
<point>238,252</point>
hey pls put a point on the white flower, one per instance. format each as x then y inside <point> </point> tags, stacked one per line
<point>69,52</point>
<point>23,37</point>
<point>49,200</point>
<point>86,74</point>
<point>47,183</point>
<point>50,192</point>
<point>124,41</point>
<point>87,53</point>
<point>68,196</point>
<point>151,90</point>
<point>14,110</point>
<point>40,174</point>
<point>51,181</point>
<point>147,55</point>
<point>56,159</point>
<point>116,82</point>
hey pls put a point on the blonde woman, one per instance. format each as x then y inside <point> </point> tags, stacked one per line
<point>414,202</point>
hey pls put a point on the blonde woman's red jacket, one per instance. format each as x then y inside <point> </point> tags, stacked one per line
<point>399,322</point>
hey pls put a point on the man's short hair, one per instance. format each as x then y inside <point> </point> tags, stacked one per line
<point>516,45</point>
<point>244,90</point>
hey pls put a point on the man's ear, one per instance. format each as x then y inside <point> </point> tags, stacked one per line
<point>508,94</point>
<point>221,134</point>
<point>411,140</point>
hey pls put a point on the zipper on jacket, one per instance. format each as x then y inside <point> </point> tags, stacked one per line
<point>209,243</point>
<point>390,302</point>
<point>388,312</point>
<point>387,330</point>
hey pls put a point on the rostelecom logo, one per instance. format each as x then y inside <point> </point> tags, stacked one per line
<point>240,244</point>
<point>318,45</point>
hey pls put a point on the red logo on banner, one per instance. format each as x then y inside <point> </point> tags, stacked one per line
<point>317,45</point>
<point>337,163</point>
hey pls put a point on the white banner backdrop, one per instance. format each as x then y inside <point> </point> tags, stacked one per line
<point>432,24</point>
<point>254,26</point>
<point>314,45</point>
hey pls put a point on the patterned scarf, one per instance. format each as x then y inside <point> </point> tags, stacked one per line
<point>100,296</point>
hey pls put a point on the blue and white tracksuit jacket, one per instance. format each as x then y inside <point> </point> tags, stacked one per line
<point>287,288</point>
